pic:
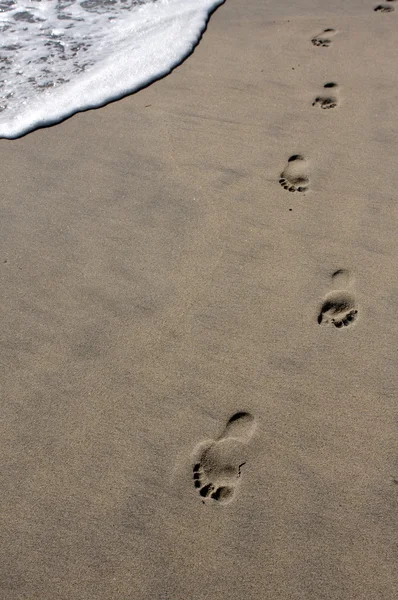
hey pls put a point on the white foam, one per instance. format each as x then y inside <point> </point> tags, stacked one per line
<point>58,57</point>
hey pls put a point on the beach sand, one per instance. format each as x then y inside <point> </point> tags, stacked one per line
<point>161,299</point>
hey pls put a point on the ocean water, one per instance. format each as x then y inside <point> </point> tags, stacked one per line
<point>58,57</point>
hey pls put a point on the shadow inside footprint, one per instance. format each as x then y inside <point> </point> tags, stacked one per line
<point>383,8</point>
<point>326,101</point>
<point>218,466</point>
<point>220,493</point>
<point>324,40</point>
<point>338,309</point>
<point>294,178</point>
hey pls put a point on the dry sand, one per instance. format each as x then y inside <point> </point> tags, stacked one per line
<point>157,279</point>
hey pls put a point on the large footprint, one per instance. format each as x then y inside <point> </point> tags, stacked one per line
<point>294,176</point>
<point>339,307</point>
<point>328,100</point>
<point>323,38</point>
<point>218,463</point>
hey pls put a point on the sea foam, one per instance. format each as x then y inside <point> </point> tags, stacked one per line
<point>58,57</point>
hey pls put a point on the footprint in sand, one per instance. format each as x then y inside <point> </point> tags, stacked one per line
<point>294,176</point>
<point>327,100</point>
<point>218,463</point>
<point>384,7</point>
<point>324,38</point>
<point>339,307</point>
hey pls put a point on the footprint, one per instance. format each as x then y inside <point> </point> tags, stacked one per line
<point>384,8</point>
<point>339,307</point>
<point>327,101</point>
<point>294,176</point>
<point>218,463</point>
<point>323,38</point>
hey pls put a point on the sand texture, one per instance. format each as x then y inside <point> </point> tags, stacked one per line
<point>199,332</point>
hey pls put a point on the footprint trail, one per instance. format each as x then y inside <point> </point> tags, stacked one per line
<point>217,468</point>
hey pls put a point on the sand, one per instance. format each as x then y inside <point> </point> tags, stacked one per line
<point>161,299</point>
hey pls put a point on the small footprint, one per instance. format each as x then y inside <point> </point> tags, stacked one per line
<point>294,176</point>
<point>339,307</point>
<point>323,38</point>
<point>327,101</point>
<point>384,8</point>
<point>218,463</point>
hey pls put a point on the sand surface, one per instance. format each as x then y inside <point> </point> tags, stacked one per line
<point>157,280</point>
